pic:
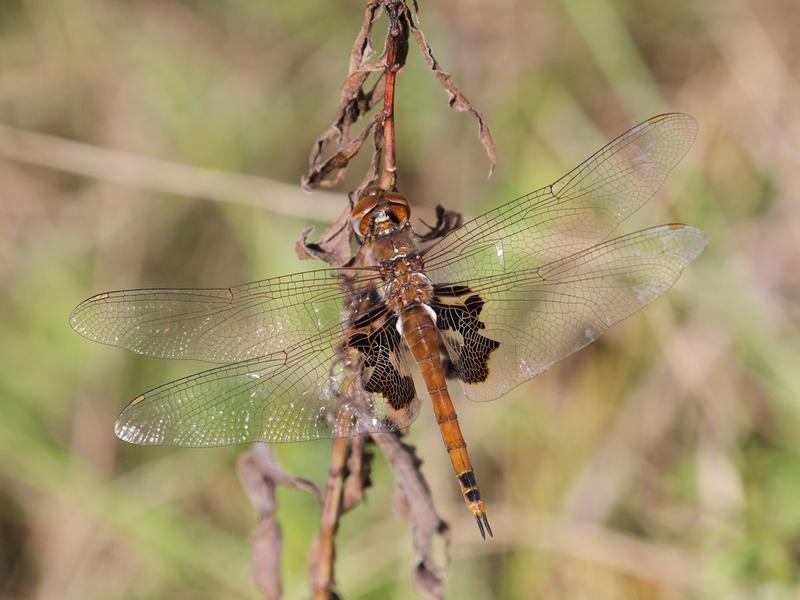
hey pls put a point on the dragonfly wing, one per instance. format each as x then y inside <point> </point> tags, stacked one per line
<point>572,214</point>
<point>503,329</point>
<point>304,394</point>
<point>385,362</point>
<point>219,325</point>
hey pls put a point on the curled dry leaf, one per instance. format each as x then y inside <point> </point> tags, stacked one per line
<point>456,99</point>
<point>446,221</point>
<point>260,475</point>
<point>354,103</point>
<point>414,502</point>
<point>373,169</point>
<point>357,480</point>
<point>334,246</point>
<point>336,164</point>
<point>362,46</point>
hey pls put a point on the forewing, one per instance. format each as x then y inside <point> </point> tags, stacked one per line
<point>570,215</point>
<point>305,394</point>
<point>504,329</point>
<point>220,325</point>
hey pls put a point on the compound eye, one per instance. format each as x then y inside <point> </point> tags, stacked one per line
<point>368,200</point>
<point>399,206</point>
<point>401,211</point>
<point>363,226</point>
<point>360,213</point>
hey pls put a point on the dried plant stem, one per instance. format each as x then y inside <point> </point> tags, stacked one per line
<point>323,551</point>
<point>396,49</point>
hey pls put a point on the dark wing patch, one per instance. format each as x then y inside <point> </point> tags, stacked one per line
<point>384,367</point>
<point>369,310</point>
<point>460,325</point>
<point>451,291</point>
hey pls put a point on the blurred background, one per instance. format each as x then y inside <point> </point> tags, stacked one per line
<point>159,143</point>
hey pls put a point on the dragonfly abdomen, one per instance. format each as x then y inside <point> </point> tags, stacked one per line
<point>419,330</point>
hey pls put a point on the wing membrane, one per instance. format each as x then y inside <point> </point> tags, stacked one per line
<point>514,326</point>
<point>219,325</point>
<point>304,394</point>
<point>522,287</point>
<point>572,214</point>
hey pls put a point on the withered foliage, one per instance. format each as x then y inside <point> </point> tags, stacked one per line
<point>359,97</point>
<point>414,502</point>
<point>260,475</point>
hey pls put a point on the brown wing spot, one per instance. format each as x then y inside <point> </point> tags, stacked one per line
<point>472,349</point>
<point>374,310</point>
<point>137,400</point>
<point>380,372</point>
<point>451,291</point>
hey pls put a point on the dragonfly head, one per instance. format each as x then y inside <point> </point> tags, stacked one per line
<point>379,212</point>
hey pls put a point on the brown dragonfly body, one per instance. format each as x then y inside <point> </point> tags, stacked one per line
<point>490,304</point>
<point>382,219</point>
<point>420,333</point>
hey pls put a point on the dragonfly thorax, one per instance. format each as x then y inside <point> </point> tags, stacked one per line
<point>405,282</point>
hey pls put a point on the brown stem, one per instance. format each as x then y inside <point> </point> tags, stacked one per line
<point>396,49</point>
<point>323,551</point>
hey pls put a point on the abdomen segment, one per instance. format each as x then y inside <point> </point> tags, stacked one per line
<point>419,331</point>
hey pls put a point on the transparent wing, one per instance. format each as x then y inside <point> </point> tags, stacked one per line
<point>503,329</point>
<point>219,325</point>
<point>303,394</point>
<point>574,213</point>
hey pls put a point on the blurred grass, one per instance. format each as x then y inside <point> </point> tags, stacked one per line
<point>659,463</point>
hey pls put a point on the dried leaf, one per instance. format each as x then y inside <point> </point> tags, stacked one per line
<point>260,475</point>
<point>334,246</point>
<point>373,170</point>
<point>414,502</point>
<point>338,161</point>
<point>354,81</point>
<point>456,99</point>
<point>362,46</point>
<point>446,221</point>
<point>428,582</point>
<point>359,466</point>
<point>354,104</point>
<point>331,135</point>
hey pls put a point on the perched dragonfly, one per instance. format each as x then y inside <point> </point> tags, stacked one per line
<point>492,303</point>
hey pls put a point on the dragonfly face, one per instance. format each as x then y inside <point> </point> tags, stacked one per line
<point>378,213</point>
<point>491,304</point>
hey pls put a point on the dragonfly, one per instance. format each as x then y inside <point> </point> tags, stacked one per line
<point>490,304</point>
